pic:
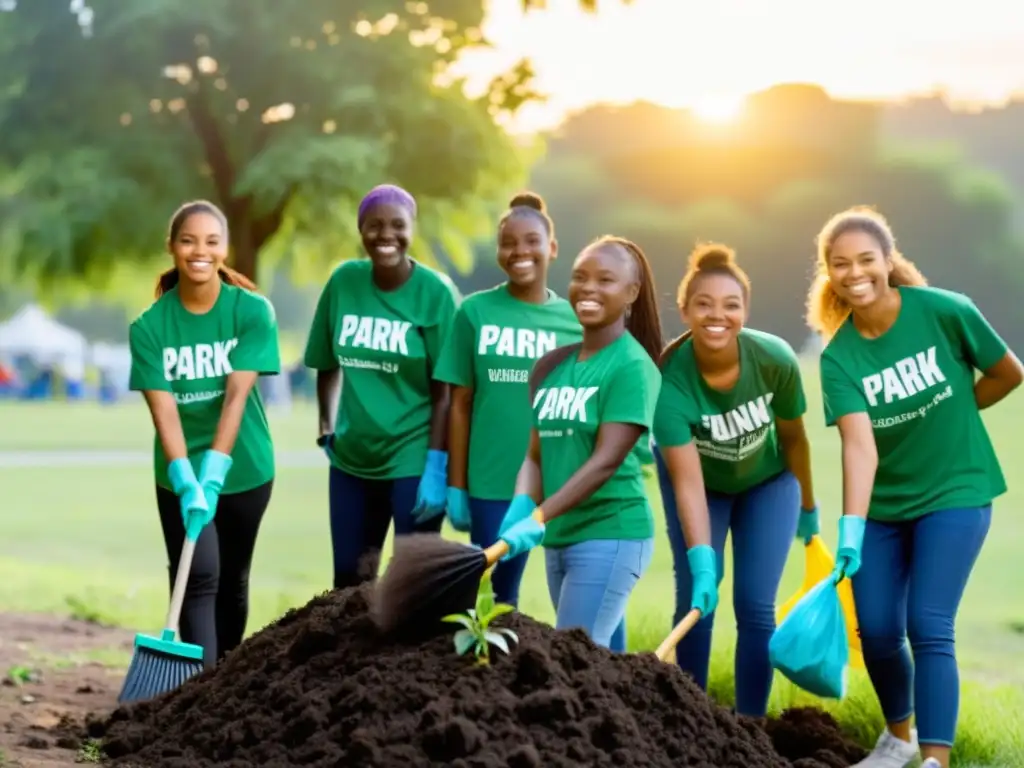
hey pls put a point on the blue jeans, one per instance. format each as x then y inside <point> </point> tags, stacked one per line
<point>763,522</point>
<point>361,511</point>
<point>590,584</point>
<point>909,585</point>
<point>486,516</point>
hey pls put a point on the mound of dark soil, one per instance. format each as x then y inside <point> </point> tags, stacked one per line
<point>320,687</point>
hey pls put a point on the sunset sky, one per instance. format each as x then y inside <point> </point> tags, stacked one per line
<point>708,55</point>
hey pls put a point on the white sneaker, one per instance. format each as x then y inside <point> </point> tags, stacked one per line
<point>890,752</point>
<point>931,762</point>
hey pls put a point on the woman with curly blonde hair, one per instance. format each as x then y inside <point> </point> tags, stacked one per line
<point>919,470</point>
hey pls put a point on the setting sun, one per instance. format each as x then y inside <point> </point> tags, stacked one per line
<point>717,109</point>
<point>686,55</point>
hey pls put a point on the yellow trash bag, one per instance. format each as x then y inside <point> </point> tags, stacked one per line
<point>818,565</point>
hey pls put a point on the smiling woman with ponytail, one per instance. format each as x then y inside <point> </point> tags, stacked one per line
<point>732,457</point>
<point>593,403</point>
<point>196,354</point>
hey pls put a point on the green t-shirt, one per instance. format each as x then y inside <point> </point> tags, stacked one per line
<point>916,382</point>
<point>191,356</point>
<point>619,383</point>
<point>735,430</point>
<point>494,342</point>
<point>386,343</point>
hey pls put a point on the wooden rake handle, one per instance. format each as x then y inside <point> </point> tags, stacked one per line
<point>499,549</point>
<point>678,632</point>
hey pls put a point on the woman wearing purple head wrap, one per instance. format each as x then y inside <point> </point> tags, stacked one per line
<point>383,320</point>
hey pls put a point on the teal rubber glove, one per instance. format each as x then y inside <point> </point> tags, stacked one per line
<point>189,491</point>
<point>458,509</point>
<point>851,539</point>
<point>522,507</point>
<point>704,569</point>
<point>809,525</point>
<point>432,494</point>
<point>522,537</point>
<point>213,470</point>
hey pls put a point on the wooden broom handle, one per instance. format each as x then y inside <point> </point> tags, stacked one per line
<point>499,549</point>
<point>180,582</point>
<point>678,633</point>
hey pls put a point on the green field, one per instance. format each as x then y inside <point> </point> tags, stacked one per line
<point>86,540</point>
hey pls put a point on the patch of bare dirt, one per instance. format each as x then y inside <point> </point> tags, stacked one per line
<point>55,670</point>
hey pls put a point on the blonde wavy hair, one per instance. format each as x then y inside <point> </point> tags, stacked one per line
<point>826,311</point>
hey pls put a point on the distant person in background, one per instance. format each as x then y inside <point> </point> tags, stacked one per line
<point>497,335</point>
<point>593,403</point>
<point>382,320</point>
<point>196,354</point>
<point>919,470</point>
<point>732,456</point>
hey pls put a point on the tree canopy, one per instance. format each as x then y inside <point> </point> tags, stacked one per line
<point>284,114</point>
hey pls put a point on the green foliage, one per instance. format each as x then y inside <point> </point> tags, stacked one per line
<point>91,751</point>
<point>476,633</point>
<point>284,114</point>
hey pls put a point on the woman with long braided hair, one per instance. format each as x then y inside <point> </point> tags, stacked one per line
<point>593,405</point>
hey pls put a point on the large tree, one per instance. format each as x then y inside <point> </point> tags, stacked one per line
<point>282,113</point>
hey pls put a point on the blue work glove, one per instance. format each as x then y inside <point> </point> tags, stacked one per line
<point>522,507</point>
<point>458,509</point>
<point>704,569</point>
<point>212,472</point>
<point>432,494</point>
<point>190,494</point>
<point>809,526</point>
<point>851,539</point>
<point>522,537</point>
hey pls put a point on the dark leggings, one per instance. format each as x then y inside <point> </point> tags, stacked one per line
<point>361,511</point>
<point>216,606</point>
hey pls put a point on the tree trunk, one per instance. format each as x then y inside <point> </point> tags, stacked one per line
<point>244,252</point>
<point>249,234</point>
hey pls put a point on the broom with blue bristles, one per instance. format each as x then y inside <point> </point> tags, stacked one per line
<point>163,663</point>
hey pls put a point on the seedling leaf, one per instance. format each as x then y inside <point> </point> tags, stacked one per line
<point>499,609</point>
<point>509,634</point>
<point>496,639</point>
<point>464,640</point>
<point>465,621</point>
<point>485,606</point>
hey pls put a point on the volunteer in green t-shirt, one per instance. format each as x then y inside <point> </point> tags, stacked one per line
<point>593,404</point>
<point>378,326</point>
<point>732,457</point>
<point>496,337</point>
<point>196,354</point>
<point>919,471</point>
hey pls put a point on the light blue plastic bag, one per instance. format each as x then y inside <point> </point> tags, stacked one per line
<point>810,646</point>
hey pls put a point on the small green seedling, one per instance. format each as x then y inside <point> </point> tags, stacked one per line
<point>90,752</point>
<point>19,675</point>
<point>476,633</point>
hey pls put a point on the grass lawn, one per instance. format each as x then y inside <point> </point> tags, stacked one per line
<point>86,540</point>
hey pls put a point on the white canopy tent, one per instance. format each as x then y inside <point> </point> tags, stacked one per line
<point>31,332</point>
